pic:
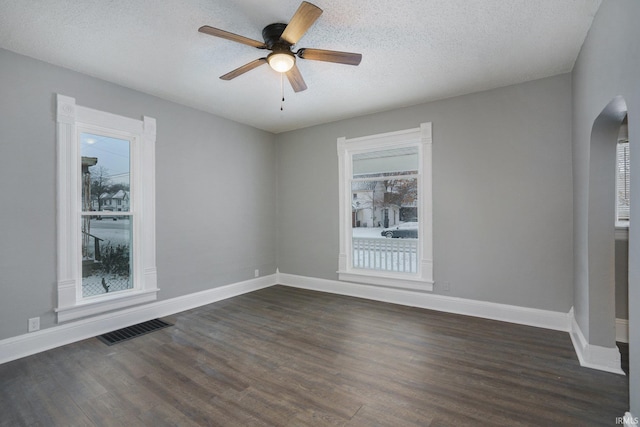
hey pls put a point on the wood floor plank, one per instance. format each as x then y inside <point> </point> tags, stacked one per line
<point>111,410</point>
<point>166,416</point>
<point>291,357</point>
<point>370,415</point>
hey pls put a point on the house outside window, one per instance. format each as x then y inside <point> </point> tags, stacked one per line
<point>105,187</point>
<point>386,209</point>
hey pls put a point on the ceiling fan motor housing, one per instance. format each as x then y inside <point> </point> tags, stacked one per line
<point>271,35</point>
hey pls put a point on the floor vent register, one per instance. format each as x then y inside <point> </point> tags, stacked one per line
<point>134,331</point>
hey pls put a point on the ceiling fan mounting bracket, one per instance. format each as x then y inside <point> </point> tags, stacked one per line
<point>271,35</point>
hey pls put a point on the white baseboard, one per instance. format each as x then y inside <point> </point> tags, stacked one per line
<point>591,356</point>
<point>508,313</point>
<point>35,342</point>
<point>594,356</point>
<point>622,330</point>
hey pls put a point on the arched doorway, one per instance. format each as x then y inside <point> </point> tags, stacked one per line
<point>602,233</point>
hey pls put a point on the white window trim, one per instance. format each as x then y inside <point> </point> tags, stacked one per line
<point>421,137</point>
<point>622,227</point>
<point>69,118</point>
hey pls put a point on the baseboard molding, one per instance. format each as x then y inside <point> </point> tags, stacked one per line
<point>622,330</point>
<point>507,313</point>
<point>594,356</point>
<point>589,356</point>
<point>67,333</point>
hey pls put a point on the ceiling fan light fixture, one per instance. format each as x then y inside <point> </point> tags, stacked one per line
<point>281,61</point>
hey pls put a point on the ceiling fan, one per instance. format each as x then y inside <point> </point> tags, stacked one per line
<point>279,39</point>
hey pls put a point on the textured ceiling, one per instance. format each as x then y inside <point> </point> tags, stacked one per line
<point>413,50</point>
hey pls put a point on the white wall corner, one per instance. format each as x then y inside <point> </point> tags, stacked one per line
<point>594,356</point>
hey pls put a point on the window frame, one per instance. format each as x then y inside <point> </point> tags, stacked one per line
<point>71,119</point>
<point>621,226</point>
<point>135,165</point>
<point>422,139</point>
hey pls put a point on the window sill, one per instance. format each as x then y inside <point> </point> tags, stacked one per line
<point>392,281</point>
<point>104,304</point>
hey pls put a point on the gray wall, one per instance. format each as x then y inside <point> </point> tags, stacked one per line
<point>502,193</point>
<point>215,190</point>
<point>608,66</point>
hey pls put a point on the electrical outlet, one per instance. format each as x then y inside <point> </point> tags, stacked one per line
<point>445,286</point>
<point>34,324</point>
<point>256,273</point>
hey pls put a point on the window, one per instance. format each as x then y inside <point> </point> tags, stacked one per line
<point>106,211</point>
<point>622,183</point>
<point>106,240</point>
<point>386,209</point>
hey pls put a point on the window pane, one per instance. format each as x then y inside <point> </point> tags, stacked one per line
<point>385,224</point>
<point>106,254</point>
<point>105,173</point>
<point>623,181</point>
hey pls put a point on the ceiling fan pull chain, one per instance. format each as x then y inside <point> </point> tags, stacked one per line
<point>282,91</point>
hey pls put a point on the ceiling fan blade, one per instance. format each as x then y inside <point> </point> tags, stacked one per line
<point>246,67</point>
<point>330,56</point>
<point>296,80</point>
<point>304,18</point>
<point>216,32</point>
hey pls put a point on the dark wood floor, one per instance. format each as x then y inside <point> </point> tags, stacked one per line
<point>290,357</point>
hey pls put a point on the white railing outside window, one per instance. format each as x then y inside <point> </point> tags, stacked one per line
<point>396,255</point>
